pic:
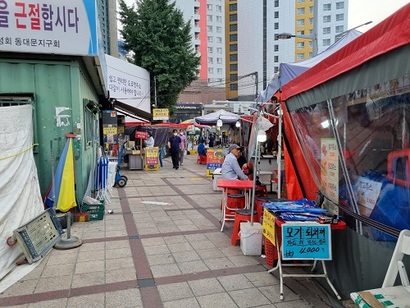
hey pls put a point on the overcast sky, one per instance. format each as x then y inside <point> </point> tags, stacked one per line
<point>361,11</point>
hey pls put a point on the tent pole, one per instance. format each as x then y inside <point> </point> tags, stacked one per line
<point>279,156</point>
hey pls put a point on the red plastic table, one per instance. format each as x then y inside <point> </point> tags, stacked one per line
<point>225,184</point>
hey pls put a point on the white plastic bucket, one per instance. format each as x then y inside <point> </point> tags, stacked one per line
<point>251,238</point>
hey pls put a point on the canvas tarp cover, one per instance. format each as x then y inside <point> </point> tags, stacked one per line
<point>20,197</point>
<point>289,71</point>
<point>211,118</point>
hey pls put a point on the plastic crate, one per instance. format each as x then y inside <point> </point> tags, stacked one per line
<point>95,211</point>
<point>271,251</point>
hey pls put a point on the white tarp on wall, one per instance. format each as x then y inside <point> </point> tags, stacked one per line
<point>20,197</point>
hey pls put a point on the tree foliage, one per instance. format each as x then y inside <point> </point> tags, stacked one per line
<point>160,40</point>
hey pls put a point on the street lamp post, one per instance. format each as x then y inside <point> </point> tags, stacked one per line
<point>286,36</point>
<point>340,35</point>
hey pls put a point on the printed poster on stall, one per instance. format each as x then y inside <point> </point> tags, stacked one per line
<point>151,158</point>
<point>367,194</point>
<point>329,168</point>
<point>214,160</point>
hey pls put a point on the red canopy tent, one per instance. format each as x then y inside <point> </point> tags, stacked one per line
<point>388,35</point>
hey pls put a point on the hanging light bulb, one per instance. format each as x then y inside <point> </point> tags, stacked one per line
<point>261,137</point>
<point>238,124</point>
<point>219,123</point>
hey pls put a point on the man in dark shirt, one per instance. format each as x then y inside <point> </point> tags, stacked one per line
<point>174,146</point>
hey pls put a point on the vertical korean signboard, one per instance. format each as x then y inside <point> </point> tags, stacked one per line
<point>49,26</point>
<point>329,169</point>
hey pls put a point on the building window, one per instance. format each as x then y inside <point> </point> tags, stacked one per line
<point>219,71</point>
<point>233,87</point>
<point>233,38</point>
<point>301,1</point>
<point>340,17</point>
<point>210,50</point>
<point>210,29</point>
<point>210,60</point>
<point>218,18</point>
<point>209,7</point>
<point>209,17</point>
<point>300,22</point>
<point>276,14</point>
<point>339,29</point>
<point>210,39</point>
<point>233,7</point>
<point>210,70</point>
<point>233,67</point>
<point>276,3</point>
<point>233,17</point>
<point>219,60</point>
<point>300,45</point>
<point>310,21</point>
<point>218,29</point>
<point>219,50</point>
<point>276,25</point>
<point>219,8</point>
<point>276,69</point>
<point>327,7</point>
<point>233,27</point>
<point>233,77</point>
<point>276,59</point>
<point>301,11</point>
<point>340,5</point>
<point>233,47</point>
<point>219,40</point>
<point>326,30</point>
<point>300,56</point>
<point>327,18</point>
<point>326,42</point>
<point>276,48</point>
<point>233,57</point>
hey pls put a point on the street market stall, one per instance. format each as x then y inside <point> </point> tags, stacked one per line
<point>350,116</point>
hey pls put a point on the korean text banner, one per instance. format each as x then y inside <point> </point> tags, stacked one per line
<point>49,26</point>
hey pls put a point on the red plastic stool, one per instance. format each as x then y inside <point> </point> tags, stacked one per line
<point>231,191</point>
<point>201,159</point>
<point>258,205</point>
<point>235,202</point>
<point>241,215</point>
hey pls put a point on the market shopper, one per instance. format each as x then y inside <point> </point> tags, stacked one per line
<point>174,146</point>
<point>150,141</point>
<point>183,146</point>
<point>230,166</point>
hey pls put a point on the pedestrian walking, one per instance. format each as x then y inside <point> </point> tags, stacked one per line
<point>183,146</point>
<point>174,146</point>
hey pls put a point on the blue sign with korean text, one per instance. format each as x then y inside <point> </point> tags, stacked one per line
<point>306,241</point>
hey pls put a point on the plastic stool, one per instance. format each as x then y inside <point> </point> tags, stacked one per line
<point>241,215</point>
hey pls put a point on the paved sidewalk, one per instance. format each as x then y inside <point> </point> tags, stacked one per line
<point>161,247</point>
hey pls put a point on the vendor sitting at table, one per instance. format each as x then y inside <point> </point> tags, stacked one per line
<point>230,167</point>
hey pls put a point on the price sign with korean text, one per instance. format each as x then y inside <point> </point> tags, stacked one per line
<point>306,241</point>
<point>268,226</point>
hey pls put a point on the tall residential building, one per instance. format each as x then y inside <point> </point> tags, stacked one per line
<point>208,29</point>
<point>107,17</point>
<point>254,51</point>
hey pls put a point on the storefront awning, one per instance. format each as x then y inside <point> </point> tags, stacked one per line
<point>132,112</point>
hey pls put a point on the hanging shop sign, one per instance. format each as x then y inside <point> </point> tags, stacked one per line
<point>160,114</point>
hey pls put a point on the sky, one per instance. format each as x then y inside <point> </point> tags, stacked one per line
<point>361,11</point>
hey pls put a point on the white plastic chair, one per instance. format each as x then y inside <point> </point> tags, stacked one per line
<point>396,265</point>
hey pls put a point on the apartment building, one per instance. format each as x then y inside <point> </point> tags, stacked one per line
<point>208,30</point>
<point>107,17</point>
<point>254,50</point>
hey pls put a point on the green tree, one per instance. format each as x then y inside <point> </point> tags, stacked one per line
<point>160,40</point>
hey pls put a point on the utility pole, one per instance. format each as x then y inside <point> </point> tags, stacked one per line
<point>155,91</point>
<point>256,84</point>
